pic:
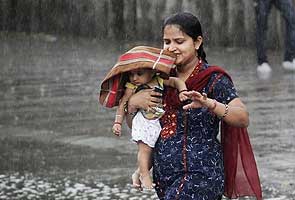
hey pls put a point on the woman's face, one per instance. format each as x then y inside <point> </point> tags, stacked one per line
<point>181,44</point>
<point>140,76</point>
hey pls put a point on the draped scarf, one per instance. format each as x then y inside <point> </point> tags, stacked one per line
<point>241,174</point>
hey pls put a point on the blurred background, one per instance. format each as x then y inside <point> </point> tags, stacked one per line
<point>56,140</point>
<point>225,22</point>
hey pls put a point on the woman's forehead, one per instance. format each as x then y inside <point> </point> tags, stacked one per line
<point>173,30</point>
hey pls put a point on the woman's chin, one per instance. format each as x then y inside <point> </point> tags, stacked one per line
<point>178,62</point>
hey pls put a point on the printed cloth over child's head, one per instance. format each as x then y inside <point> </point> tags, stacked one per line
<point>112,86</point>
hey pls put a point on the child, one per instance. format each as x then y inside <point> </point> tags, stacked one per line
<point>145,124</point>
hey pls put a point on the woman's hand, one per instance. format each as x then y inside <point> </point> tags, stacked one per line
<point>235,113</point>
<point>198,100</point>
<point>144,99</point>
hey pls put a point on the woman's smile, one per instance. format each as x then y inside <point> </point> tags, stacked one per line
<point>179,43</point>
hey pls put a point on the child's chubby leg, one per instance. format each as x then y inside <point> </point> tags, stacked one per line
<point>144,165</point>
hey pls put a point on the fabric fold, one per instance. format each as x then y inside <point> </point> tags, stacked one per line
<point>139,57</point>
<point>241,174</point>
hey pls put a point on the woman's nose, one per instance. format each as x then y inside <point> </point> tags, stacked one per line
<point>171,48</point>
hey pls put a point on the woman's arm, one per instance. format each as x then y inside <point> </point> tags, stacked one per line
<point>144,99</point>
<point>235,113</point>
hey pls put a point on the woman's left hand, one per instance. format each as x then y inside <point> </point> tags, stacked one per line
<point>235,113</point>
<point>198,100</point>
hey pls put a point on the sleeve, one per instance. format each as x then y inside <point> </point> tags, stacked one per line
<point>160,81</point>
<point>223,89</point>
<point>130,86</point>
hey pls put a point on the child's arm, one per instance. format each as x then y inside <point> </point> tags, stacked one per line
<point>179,85</point>
<point>117,127</point>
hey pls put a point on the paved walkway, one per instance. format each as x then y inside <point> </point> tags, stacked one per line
<point>48,97</point>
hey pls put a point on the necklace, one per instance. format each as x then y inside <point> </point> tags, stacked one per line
<point>196,69</point>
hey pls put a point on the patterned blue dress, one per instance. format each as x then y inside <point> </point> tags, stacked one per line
<point>188,164</point>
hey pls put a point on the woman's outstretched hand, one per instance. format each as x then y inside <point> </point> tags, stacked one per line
<point>198,100</point>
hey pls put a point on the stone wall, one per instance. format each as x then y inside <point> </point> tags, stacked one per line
<point>225,22</point>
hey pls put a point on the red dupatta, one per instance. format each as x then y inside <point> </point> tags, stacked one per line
<point>241,174</point>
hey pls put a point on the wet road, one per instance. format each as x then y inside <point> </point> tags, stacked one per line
<point>53,130</point>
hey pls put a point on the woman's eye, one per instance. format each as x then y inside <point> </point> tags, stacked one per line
<point>166,42</point>
<point>179,41</point>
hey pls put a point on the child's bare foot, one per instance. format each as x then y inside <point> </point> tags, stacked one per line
<point>136,180</point>
<point>146,181</point>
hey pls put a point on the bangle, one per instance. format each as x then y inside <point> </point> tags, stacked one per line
<point>126,109</point>
<point>182,91</point>
<point>214,105</point>
<point>225,111</point>
<point>119,117</point>
<point>118,123</point>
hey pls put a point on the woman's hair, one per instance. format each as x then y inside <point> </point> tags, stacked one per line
<point>189,24</point>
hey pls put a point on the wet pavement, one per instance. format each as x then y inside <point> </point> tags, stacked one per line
<point>56,141</point>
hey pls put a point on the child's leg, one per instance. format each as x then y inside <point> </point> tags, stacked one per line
<point>135,179</point>
<point>144,157</point>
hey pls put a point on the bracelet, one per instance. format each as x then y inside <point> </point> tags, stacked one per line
<point>182,91</point>
<point>126,109</point>
<point>118,123</point>
<point>225,112</point>
<point>214,105</point>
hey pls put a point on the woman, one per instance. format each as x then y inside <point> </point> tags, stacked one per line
<point>189,161</point>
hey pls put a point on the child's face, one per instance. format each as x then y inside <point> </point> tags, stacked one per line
<point>140,76</point>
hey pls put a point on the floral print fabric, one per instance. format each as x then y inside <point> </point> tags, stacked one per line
<point>189,163</point>
<point>145,130</point>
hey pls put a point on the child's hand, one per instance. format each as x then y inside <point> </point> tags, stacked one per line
<point>117,128</point>
<point>182,97</point>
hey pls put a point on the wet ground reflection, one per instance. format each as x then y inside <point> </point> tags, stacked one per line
<point>55,139</point>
